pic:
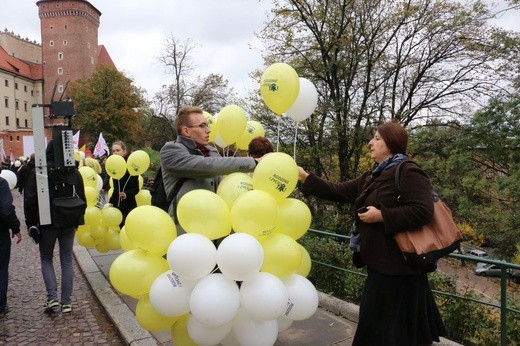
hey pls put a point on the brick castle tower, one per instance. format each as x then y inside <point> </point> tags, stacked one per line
<point>69,30</point>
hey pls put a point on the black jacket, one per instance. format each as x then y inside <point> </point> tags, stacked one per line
<point>8,218</point>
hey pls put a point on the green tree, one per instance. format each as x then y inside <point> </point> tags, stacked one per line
<point>108,102</point>
<point>376,60</point>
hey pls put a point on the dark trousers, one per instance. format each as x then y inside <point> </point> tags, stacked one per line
<point>5,255</point>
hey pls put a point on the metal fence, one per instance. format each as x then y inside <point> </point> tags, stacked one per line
<point>505,268</point>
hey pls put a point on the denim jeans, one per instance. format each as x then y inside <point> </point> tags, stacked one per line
<point>65,237</point>
<point>5,254</point>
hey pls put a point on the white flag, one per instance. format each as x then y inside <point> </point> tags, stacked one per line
<point>101,147</point>
<point>75,140</point>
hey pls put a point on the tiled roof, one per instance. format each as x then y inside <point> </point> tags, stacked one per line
<point>19,67</point>
<point>103,57</point>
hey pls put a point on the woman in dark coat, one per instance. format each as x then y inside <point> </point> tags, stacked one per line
<point>125,189</point>
<point>397,306</point>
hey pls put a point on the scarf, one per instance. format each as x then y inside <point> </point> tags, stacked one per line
<point>390,162</point>
<point>203,149</point>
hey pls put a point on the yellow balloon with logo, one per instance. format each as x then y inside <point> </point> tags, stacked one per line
<point>294,218</point>
<point>277,174</point>
<point>231,123</point>
<point>138,162</point>
<point>233,185</point>
<point>254,212</point>
<point>111,216</point>
<point>279,87</point>
<point>89,176</point>
<point>115,166</point>
<point>253,129</point>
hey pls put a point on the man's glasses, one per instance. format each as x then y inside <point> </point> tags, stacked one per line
<point>203,126</point>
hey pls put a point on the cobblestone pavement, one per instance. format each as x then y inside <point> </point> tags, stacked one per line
<point>27,324</point>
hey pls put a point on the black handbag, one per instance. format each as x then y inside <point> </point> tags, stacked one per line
<point>68,211</point>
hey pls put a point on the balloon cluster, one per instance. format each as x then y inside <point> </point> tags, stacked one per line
<point>243,292</point>
<point>101,228</point>
<point>284,92</point>
<point>231,126</point>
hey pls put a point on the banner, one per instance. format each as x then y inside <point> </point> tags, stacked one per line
<point>75,140</point>
<point>101,147</point>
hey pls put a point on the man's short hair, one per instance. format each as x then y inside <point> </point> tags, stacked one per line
<point>182,118</point>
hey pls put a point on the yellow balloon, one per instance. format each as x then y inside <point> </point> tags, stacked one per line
<point>94,164</point>
<point>138,162</point>
<point>233,185</point>
<point>141,181</point>
<point>92,196</point>
<point>150,319</point>
<point>231,123</point>
<point>98,232</point>
<point>126,243</point>
<point>282,255</point>
<point>112,239</point>
<point>254,212</point>
<point>179,331</point>
<point>101,246</point>
<point>294,218</point>
<point>143,197</point>
<point>305,266</point>
<point>212,126</point>
<point>89,176</point>
<point>204,212</point>
<point>133,272</point>
<point>279,87</point>
<point>150,228</point>
<point>111,216</point>
<point>115,166</point>
<point>253,129</point>
<point>276,173</point>
<point>92,216</point>
<point>84,237</point>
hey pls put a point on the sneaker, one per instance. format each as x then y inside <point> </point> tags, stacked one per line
<point>66,308</point>
<point>51,305</point>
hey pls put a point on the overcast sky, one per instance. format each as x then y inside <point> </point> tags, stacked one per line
<point>134,33</point>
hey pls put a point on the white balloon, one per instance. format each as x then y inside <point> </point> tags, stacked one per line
<point>215,300</point>
<point>305,103</point>
<point>170,294</point>
<point>99,183</point>
<point>230,340</point>
<point>205,335</point>
<point>303,297</point>
<point>17,163</point>
<point>192,256</point>
<point>264,296</point>
<point>10,176</point>
<point>240,256</point>
<point>284,323</point>
<point>251,332</point>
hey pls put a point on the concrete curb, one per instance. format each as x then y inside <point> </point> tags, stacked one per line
<point>118,312</point>
<point>351,312</point>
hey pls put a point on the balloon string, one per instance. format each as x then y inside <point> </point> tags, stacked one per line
<point>295,136</point>
<point>278,136</point>
<point>118,191</point>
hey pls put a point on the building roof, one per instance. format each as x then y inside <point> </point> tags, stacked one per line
<point>20,67</point>
<point>103,57</point>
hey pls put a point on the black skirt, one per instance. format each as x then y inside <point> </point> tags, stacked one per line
<point>398,310</point>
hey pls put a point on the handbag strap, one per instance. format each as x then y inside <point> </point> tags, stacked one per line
<point>397,181</point>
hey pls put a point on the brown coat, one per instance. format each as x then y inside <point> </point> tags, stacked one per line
<point>379,251</point>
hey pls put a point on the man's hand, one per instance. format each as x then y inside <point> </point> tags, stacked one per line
<point>18,237</point>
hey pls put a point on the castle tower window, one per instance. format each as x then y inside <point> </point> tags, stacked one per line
<point>60,70</point>
<point>60,88</point>
<point>65,42</point>
<point>60,56</point>
<point>51,43</point>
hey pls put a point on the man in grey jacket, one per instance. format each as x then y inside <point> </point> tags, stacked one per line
<point>189,163</point>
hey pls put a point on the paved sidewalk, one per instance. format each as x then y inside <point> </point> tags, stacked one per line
<point>26,323</point>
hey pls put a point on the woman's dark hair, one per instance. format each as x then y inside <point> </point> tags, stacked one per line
<point>259,146</point>
<point>395,137</point>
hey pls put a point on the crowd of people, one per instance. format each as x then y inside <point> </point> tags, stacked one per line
<point>397,305</point>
